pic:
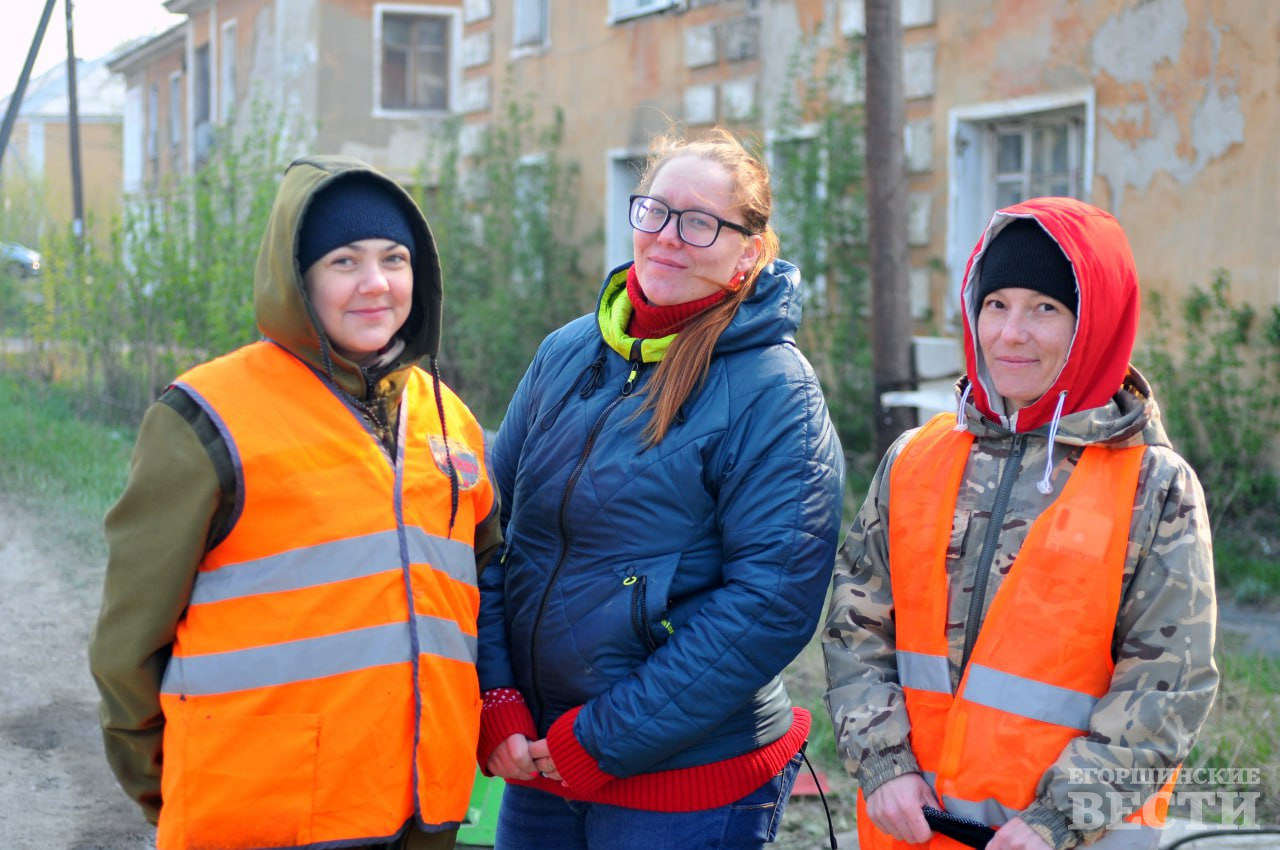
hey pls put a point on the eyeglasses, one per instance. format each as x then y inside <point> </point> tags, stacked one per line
<point>696,228</point>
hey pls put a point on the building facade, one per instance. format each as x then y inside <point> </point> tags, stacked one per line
<point>1160,111</point>
<point>37,161</point>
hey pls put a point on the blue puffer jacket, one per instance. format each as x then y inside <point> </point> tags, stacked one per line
<point>663,589</point>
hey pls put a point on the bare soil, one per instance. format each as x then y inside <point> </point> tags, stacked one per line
<point>55,787</point>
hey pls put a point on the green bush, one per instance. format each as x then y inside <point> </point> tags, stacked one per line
<point>1215,369</point>
<point>172,287</point>
<point>504,218</point>
<point>819,181</point>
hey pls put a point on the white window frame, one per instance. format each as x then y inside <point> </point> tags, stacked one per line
<point>530,27</point>
<point>153,122</point>
<point>625,10</point>
<point>970,167</point>
<point>622,177</point>
<point>453,14</point>
<point>175,109</point>
<point>227,70</point>
<point>133,139</point>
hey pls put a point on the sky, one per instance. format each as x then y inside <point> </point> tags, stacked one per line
<point>99,27</point>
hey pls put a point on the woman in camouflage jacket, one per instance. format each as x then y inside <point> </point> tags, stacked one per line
<point>1050,313</point>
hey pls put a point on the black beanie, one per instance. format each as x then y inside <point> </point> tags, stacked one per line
<point>354,207</point>
<point>1024,255</point>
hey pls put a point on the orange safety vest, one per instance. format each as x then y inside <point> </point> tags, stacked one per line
<point>322,686</point>
<point>1043,656</point>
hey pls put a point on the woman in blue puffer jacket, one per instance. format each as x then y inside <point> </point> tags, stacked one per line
<point>671,494</point>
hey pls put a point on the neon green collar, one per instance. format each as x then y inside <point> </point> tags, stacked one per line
<point>613,316</point>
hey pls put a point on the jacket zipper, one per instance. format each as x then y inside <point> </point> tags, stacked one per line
<point>973,622</point>
<point>640,610</point>
<point>627,389</point>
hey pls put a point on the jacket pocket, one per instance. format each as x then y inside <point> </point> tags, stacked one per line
<point>648,603</point>
<point>250,780</point>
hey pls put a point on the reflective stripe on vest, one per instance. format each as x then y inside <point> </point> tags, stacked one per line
<point>338,560</point>
<point>1004,691</point>
<point>329,655</point>
<point>322,688</point>
<point>1021,699</point>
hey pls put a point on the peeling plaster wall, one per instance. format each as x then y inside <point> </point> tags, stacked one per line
<point>1187,149</point>
<point>621,84</point>
<point>1181,116</point>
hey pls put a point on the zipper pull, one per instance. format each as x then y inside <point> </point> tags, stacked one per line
<point>636,363</point>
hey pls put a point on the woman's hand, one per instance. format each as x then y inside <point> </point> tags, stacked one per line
<point>511,759</point>
<point>542,759</point>
<point>1016,835</point>
<point>896,808</point>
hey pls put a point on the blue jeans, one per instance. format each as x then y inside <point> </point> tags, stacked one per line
<point>535,820</point>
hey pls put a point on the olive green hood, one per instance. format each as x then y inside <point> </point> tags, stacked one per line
<point>285,314</point>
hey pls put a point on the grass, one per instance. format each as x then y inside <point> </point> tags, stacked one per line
<point>1241,729</point>
<point>1247,558</point>
<point>56,463</point>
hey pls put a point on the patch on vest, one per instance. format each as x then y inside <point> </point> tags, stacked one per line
<point>465,464</point>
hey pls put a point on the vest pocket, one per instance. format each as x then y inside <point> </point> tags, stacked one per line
<point>250,780</point>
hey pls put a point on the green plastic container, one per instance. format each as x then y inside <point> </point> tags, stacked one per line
<point>481,825</point>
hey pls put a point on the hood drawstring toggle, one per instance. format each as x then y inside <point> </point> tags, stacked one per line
<point>1044,485</point>
<point>961,420</point>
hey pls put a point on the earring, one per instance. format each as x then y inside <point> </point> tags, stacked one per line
<point>736,281</point>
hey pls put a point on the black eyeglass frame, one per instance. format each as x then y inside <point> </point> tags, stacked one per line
<point>672,211</point>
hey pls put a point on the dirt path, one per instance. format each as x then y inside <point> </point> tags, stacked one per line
<point>55,788</point>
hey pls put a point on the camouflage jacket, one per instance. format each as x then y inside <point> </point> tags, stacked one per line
<point>1165,678</point>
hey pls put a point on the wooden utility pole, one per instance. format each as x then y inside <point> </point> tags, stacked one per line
<point>15,100</point>
<point>73,115</point>
<point>887,218</point>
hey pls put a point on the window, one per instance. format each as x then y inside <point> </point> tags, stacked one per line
<point>1007,152</point>
<point>531,25</point>
<point>621,10</point>
<point>227,72</point>
<point>175,108</point>
<point>153,121</point>
<point>415,58</point>
<point>622,180</point>
<point>201,108</point>
<point>133,139</point>
<point>1035,157</point>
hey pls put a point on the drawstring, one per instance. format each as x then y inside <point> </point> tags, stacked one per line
<point>831,830</point>
<point>596,378</point>
<point>1044,486</point>
<point>444,434</point>
<point>594,374</point>
<point>961,424</point>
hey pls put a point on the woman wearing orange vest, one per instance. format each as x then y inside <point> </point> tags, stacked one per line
<point>286,646</point>
<point>1022,620</point>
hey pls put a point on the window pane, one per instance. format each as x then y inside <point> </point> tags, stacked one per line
<point>530,22</point>
<point>395,31</point>
<point>1054,185</point>
<point>395,89</point>
<point>1049,149</point>
<point>1008,192</point>
<point>1008,153</point>
<point>429,33</point>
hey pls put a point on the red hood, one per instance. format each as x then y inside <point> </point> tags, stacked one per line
<point>1106,318</point>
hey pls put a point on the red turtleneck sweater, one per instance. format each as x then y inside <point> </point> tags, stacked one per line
<point>652,321</point>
